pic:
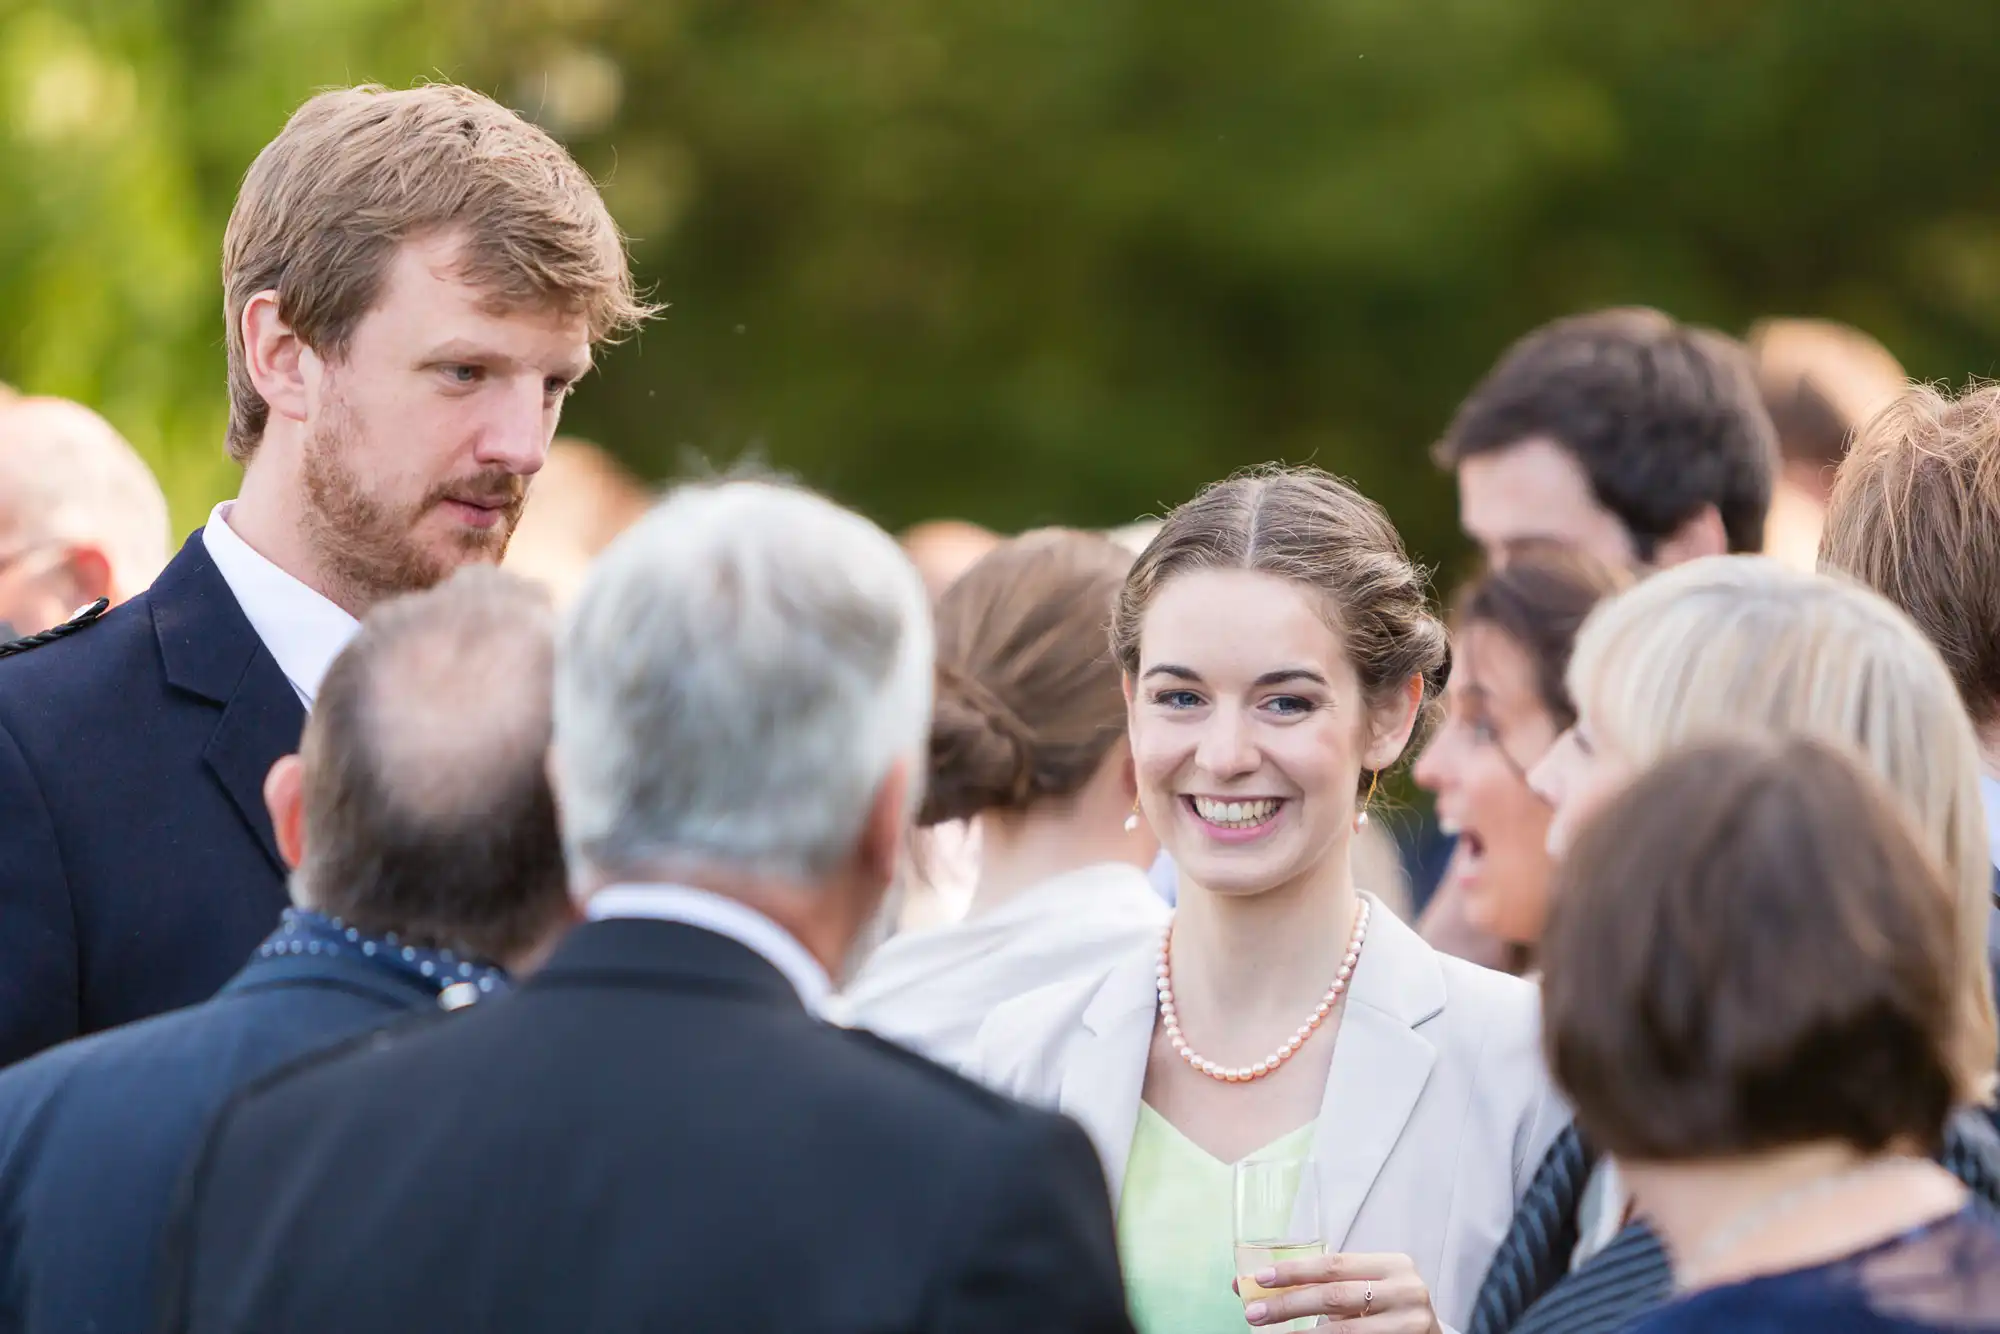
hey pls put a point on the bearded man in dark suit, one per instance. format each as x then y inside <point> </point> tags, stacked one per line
<point>413,281</point>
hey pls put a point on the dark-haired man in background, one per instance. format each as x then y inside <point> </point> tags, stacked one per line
<point>419,819</point>
<point>1643,440</point>
<point>1622,432</point>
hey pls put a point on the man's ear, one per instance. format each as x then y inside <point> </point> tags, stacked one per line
<point>285,798</point>
<point>88,571</point>
<point>278,359</point>
<point>1702,535</point>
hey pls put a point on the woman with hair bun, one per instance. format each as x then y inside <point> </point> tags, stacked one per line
<point>1028,738</point>
<point>1279,650</point>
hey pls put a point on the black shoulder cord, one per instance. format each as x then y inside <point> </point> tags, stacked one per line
<point>55,632</point>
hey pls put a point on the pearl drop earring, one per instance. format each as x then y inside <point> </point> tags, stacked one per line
<point>1132,820</point>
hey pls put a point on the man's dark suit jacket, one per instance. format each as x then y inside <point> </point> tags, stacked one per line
<point>137,865</point>
<point>96,1134</point>
<point>652,1134</point>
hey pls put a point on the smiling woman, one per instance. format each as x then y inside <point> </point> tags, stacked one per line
<point>1504,707</point>
<point>1279,652</point>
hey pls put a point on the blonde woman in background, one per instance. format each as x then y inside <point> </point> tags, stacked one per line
<point>1720,648</point>
<point>1741,643</point>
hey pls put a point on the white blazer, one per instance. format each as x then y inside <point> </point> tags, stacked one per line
<point>932,989</point>
<point>1437,1112</point>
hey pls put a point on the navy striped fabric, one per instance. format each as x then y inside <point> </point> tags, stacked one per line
<point>1535,1253</point>
<point>1626,1280</point>
<point>1632,1276</point>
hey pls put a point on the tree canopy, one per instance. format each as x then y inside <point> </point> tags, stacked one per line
<point>1046,261</point>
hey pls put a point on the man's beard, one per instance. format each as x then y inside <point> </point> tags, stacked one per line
<point>368,550</point>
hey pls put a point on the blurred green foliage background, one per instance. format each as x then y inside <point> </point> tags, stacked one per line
<point>1049,259</point>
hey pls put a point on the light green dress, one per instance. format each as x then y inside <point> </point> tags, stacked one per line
<point>1176,1229</point>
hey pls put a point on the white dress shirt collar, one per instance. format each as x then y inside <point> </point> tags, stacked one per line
<point>300,628</point>
<point>725,917</point>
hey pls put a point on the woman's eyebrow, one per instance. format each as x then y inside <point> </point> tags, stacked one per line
<point>1284,674</point>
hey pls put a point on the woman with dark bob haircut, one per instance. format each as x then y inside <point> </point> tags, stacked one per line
<point>1749,996</point>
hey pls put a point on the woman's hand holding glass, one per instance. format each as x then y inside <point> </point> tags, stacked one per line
<point>1379,1294</point>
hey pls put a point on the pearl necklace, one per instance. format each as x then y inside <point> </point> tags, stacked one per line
<point>1269,1065</point>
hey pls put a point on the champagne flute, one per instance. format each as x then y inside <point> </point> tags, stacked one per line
<point>1277,1219</point>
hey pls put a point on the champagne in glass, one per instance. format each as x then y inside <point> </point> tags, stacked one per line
<point>1277,1219</point>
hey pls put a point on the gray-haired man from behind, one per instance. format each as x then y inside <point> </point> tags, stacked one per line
<point>657,1131</point>
<point>420,824</point>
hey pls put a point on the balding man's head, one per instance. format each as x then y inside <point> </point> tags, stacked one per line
<point>81,516</point>
<point>426,805</point>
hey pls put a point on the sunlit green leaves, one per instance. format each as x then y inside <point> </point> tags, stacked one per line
<point>1047,260</point>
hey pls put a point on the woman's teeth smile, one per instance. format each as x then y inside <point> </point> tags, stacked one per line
<point>1235,814</point>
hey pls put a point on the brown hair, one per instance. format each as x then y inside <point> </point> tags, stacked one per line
<point>428,810</point>
<point>1028,695</point>
<point>1915,515</point>
<point>357,172</point>
<point>1663,417</point>
<point>1749,949</point>
<point>1820,381</point>
<point>1310,527</point>
<point>1539,600</point>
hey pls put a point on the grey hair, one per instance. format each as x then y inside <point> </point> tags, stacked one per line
<point>740,672</point>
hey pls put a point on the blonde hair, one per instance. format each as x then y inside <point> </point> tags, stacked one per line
<point>357,172</point>
<point>1730,644</point>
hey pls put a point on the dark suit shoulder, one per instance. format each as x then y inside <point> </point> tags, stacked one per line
<point>944,1084</point>
<point>332,1061</point>
<point>83,668</point>
<point>81,619</point>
